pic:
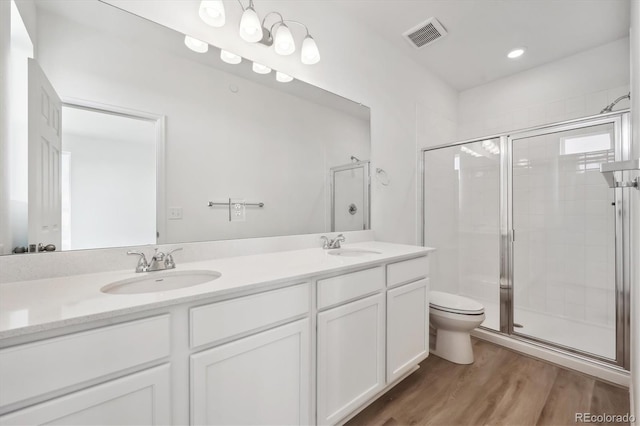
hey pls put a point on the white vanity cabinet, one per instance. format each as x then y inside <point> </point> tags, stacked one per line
<point>260,371</point>
<point>260,379</point>
<point>407,327</point>
<point>311,349</point>
<point>407,315</point>
<point>366,345</point>
<point>45,369</point>
<point>137,399</point>
<point>350,343</point>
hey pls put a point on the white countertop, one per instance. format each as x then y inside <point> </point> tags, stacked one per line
<point>32,306</point>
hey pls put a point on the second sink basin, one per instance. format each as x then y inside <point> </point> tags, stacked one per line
<point>152,282</point>
<point>351,252</point>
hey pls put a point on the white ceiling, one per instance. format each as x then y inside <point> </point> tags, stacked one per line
<point>481,32</point>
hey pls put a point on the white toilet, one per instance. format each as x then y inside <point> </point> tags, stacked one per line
<point>454,317</point>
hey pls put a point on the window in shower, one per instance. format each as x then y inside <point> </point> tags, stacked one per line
<point>564,279</point>
<point>461,194</point>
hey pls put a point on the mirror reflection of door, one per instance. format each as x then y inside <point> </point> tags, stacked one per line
<point>108,179</point>
<point>350,197</point>
<point>44,159</point>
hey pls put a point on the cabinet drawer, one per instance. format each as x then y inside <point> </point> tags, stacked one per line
<point>332,291</point>
<point>138,399</point>
<point>37,368</point>
<point>219,321</point>
<point>407,271</point>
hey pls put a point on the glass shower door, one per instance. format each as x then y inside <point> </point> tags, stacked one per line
<point>564,237</point>
<point>461,195</point>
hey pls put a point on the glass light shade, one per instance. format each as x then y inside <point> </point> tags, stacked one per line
<point>283,78</point>
<point>195,44</point>
<point>230,58</point>
<point>212,12</point>
<point>250,27</point>
<point>283,41</point>
<point>260,69</point>
<point>310,53</point>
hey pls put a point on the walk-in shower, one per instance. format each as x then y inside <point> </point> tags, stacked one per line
<point>525,223</point>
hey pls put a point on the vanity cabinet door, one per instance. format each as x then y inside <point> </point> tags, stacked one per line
<point>407,327</point>
<point>351,352</point>
<point>260,379</point>
<point>138,399</point>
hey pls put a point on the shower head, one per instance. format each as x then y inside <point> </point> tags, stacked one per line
<point>609,107</point>
<point>355,159</point>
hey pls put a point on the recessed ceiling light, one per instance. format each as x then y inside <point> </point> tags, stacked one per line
<point>516,53</point>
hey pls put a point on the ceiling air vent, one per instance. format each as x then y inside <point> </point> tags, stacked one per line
<point>425,33</point>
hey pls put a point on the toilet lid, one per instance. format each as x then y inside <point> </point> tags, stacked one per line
<point>454,303</point>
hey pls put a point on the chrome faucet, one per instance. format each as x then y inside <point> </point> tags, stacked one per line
<point>159,261</point>
<point>332,244</point>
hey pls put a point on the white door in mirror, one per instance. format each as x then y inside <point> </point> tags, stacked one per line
<point>45,146</point>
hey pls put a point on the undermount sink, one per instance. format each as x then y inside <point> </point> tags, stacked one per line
<point>153,282</point>
<point>351,252</point>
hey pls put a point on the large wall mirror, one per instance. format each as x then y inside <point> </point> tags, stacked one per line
<point>120,135</point>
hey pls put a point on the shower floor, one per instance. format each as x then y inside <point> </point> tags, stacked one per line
<point>586,337</point>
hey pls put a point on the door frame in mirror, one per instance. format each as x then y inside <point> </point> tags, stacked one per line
<point>159,122</point>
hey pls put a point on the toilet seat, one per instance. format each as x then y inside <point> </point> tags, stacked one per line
<point>455,304</point>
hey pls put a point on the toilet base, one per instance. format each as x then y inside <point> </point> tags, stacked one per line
<point>454,346</point>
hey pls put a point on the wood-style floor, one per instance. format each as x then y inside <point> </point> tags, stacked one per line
<point>500,388</point>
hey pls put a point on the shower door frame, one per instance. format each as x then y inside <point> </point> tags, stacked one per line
<point>622,145</point>
<point>622,149</point>
<point>366,191</point>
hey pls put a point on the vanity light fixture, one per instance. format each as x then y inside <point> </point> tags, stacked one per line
<point>260,69</point>
<point>283,78</point>
<point>284,44</point>
<point>212,12</point>
<point>230,58</point>
<point>195,44</point>
<point>252,30</point>
<point>516,53</point>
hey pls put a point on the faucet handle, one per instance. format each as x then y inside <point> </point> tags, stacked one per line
<point>326,243</point>
<point>169,263</point>
<point>143,265</point>
<point>337,240</point>
<point>169,253</point>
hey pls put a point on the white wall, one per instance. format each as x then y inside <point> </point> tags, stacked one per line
<point>635,219</point>
<point>109,181</point>
<point>409,106</point>
<point>256,143</point>
<point>577,86</point>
